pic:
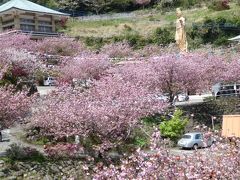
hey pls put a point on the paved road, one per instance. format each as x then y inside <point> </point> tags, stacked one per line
<point>194,99</point>
<point>14,135</point>
<point>107,16</point>
<point>44,90</point>
<point>180,152</point>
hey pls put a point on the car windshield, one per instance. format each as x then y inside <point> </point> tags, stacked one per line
<point>186,137</point>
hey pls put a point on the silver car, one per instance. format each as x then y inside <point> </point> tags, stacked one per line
<point>49,81</point>
<point>194,140</point>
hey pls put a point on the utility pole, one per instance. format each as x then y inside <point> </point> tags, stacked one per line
<point>213,118</point>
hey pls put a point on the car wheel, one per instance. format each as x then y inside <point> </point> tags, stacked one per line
<point>0,137</point>
<point>195,146</point>
<point>212,143</point>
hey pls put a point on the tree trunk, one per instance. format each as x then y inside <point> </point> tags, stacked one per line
<point>97,11</point>
<point>0,136</point>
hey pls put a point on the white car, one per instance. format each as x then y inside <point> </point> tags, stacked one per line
<point>195,140</point>
<point>182,97</point>
<point>49,81</point>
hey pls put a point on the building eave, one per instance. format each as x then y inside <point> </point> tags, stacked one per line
<point>23,10</point>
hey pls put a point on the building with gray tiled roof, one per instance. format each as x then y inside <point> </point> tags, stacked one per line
<point>27,16</point>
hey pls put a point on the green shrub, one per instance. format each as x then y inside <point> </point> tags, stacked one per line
<point>127,27</point>
<point>215,31</point>
<point>18,152</point>
<point>162,36</point>
<point>238,2</point>
<point>174,127</point>
<point>152,120</point>
<point>194,43</point>
<point>8,78</point>
<point>135,40</point>
<point>140,142</point>
<point>95,42</point>
<point>222,40</point>
<point>140,138</point>
<point>40,141</point>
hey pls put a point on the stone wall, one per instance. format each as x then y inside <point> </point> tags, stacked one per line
<point>42,171</point>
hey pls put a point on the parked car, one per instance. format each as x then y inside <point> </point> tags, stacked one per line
<point>182,97</point>
<point>195,140</point>
<point>4,135</point>
<point>49,81</point>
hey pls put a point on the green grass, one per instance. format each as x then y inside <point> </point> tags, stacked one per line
<point>40,142</point>
<point>96,24</point>
<point>144,22</point>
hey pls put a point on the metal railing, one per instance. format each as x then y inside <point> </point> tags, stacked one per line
<point>38,33</point>
<point>222,26</point>
<point>32,33</point>
<point>228,92</point>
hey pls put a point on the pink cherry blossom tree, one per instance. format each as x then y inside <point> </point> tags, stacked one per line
<point>83,67</point>
<point>19,67</point>
<point>13,106</point>
<point>117,50</point>
<point>19,58</point>
<point>62,46</point>
<point>174,74</point>
<point>17,41</point>
<point>110,110</point>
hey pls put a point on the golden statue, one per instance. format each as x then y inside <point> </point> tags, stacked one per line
<point>180,36</point>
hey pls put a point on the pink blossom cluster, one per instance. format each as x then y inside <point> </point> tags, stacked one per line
<point>109,110</point>
<point>123,93</point>
<point>225,4</point>
<point>122,50</point>
<point>4,69</point>
<point>142,2</point>
<point>117,50</point>
<point>173,73</point>
<point>17,41</point>
<point>63,46</point>
<point>154,50</point>
<point>13,106</point>
<point>21,61</point>
<point>83,67</point>
<point>221,161</point>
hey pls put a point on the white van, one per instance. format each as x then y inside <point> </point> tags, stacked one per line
<point>49,81</point>
<point>219,89</point>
